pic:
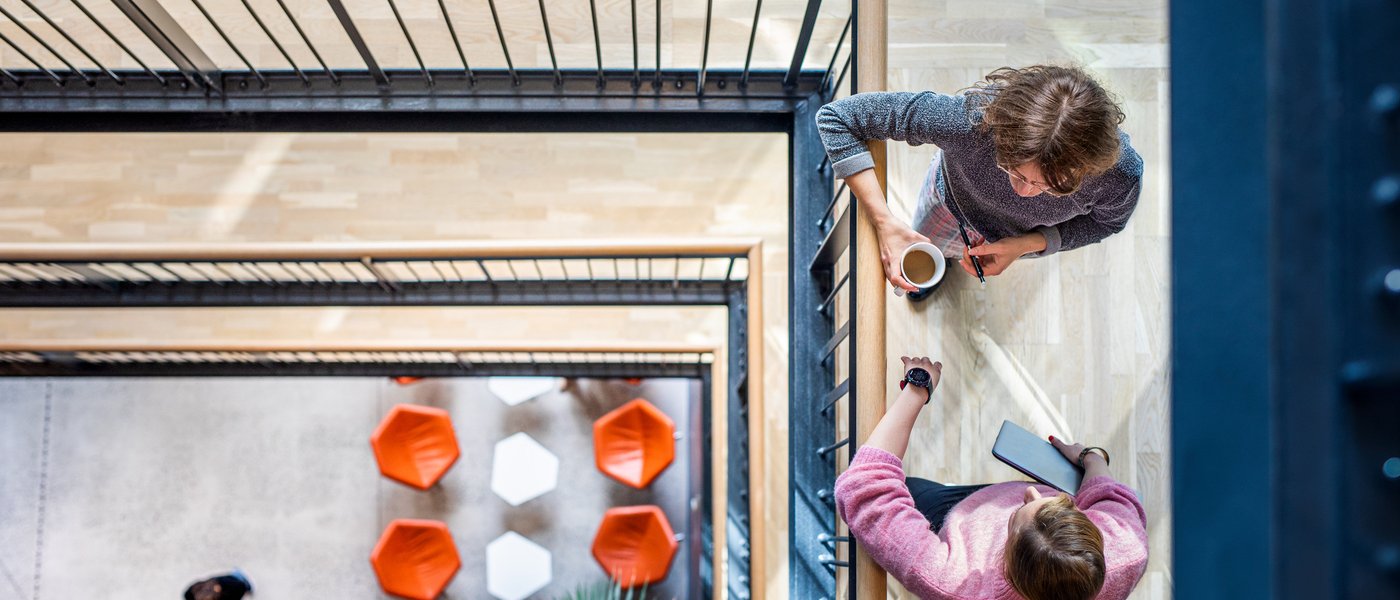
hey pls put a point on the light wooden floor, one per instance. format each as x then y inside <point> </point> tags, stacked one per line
<point>1076,344</point>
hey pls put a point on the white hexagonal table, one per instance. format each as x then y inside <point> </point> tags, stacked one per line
<point>516,567</point>
<point>522,469</point>
<point>514,390</point>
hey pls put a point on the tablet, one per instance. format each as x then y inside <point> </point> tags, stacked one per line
<point>1028,453</point>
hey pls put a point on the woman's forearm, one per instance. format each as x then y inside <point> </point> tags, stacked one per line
<point>1095,465</point>
<point>891,434</point>
<point>866,187</point>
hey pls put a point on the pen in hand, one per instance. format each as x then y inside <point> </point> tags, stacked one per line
<point>976,264</point>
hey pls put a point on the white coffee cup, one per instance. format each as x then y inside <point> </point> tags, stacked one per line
<point>915,267</point>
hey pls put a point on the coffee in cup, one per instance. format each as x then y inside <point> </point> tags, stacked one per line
<point>922,264</point>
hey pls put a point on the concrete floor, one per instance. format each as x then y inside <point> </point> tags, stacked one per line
<point>145,485</point>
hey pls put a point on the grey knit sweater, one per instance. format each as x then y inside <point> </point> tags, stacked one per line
<point>982,193</point>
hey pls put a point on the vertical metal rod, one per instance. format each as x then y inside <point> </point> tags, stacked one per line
<point>412,46</point>
<point>753,34</point>
<point>729,272</point>
<point>353,32</point>
<point>471,77</point>
<point>306,40</point>
<point>438,270</point>
<point>29,58</point>
<point>119,42</point>
<point>549,40</point>
<point>705,53</point>
<point>10,76</point>
<point>636,57</point>
<point>287,268</point>
<point>455,272</point>
<point>835,53</point>
<point>330,277</point>
<point>804,39</point>
<point>46,46</point>
<point>482,265</point>
<point>842,77</point>
<point>72,41</point>
<point>657,82</point>
<point>261,80</point>
<point>597,41</point>
<point>304,79</point>
<point>510,66</point>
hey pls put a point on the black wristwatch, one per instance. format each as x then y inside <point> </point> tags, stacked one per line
<point>919,377</point>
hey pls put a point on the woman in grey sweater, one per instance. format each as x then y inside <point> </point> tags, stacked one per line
<point>1031,163</point>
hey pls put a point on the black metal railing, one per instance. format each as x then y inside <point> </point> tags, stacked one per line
<point>713,272</point>
<point>822,411</point>
<point>180,61</point>
<point>467,273</point>
<point>428,359</point>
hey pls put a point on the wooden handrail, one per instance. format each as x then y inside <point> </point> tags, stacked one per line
<point>353,251</point>
<point>352,346</point>
<point>870,284</point>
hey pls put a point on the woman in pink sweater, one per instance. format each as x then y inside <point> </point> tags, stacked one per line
<point>1008,541</point>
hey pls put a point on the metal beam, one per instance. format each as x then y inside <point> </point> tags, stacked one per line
<point>172,39</point>
<point>475,293</point>
<point>359,102</point>
<point>809,516</point>
<point>62,368</point>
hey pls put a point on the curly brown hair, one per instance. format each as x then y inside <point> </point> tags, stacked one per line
<point>1056,117</point>
<point>1058,556</point>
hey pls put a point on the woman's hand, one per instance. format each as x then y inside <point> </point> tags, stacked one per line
<point>895,237</point>
<point>1094,465</point>
<point>997,256</point>
<point>1070,451</point>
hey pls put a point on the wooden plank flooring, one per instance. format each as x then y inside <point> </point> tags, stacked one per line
<point>1076,344</point>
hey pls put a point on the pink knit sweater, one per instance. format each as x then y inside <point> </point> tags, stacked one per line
<point>964,561</point>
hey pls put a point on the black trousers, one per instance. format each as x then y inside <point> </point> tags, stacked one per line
<point>935,499</point>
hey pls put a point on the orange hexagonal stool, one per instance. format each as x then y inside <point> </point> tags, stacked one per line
<point>634,443</point>
<point>415,559</point>
<point>415,445</point>
<point>635,545</point>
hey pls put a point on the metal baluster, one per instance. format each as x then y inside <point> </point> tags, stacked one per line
<point>636,57</point>
<point>306,40</point>
<point>835,53</point>
<point>72,41</point>
<point>705,53</point>
<point>118,42</point>
<point>30,32</point>
<point>412,46</point>
<point>753,34</point>
<point>268,32</point>
<point>471,77</point>
<point>262,81</point>
<point>514,77</point>
<point>549,41</point>
<point>58,81</point>
<point>597,42</point>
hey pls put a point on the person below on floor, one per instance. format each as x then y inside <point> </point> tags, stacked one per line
<point>1031,163</point>
<point>1004,541</point>
<point>232,586</point>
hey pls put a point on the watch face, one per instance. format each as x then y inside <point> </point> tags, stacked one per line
<point>918,376</point>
